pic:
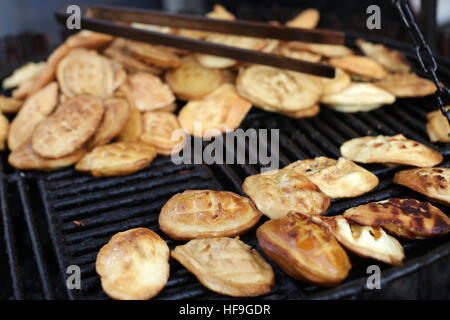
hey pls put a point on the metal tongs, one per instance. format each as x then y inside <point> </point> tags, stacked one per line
<point>101,19</point>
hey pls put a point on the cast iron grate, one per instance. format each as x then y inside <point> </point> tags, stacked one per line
<point>78,214</point>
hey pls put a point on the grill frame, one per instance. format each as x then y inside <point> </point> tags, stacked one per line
<point>224,177</point>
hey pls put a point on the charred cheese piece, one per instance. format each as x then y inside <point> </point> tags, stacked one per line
<point>207,213</point>
<point>390,149</point>
<point>406,218</point>
<point>133,265</point>
<point>227,266</point>
<point>304,250</point>
<point>432,182</point>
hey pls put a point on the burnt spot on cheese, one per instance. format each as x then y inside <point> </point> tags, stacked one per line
<point>292,234</point>
<point>409,206</point>
<point>441,226</point>
<point>376,232</point>
<point>373,206</point>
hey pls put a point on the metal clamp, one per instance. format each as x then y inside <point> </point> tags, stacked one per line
<point>423,53</point>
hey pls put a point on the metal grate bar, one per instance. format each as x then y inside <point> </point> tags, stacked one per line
<point>35,241</point>
<point>11,250</point>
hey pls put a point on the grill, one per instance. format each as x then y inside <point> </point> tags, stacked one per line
<point>53,220</point>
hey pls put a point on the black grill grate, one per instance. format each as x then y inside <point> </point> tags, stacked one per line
<point>78,214</point>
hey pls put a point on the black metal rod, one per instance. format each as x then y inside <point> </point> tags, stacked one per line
<point>202,46</point>
<point>14,270</point>
<point>237,27</point>
<point>35,242</point>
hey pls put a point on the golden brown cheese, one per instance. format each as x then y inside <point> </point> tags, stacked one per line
<point>68,128</point>
<point>118,52</point>
<point>307,19</point>
<point>116,159</point>
<point>85,72</point>
<point>304,113</point>
<point>227,266</point>
<point>336,178</point>
<point>83,39</point>
<point>153,54</point>
<point>159,131</point>
<point>4,128</point>
<point>341,81</point>
<point>365,241</point>
<point>276,193</point>
<point>207,213</point>
<point>25,158</point>
<point>358,97</point>
<point>304,250</point>
<point>132,130</point>
<point>114,119</point>
<point>133,265</point>
<point>390,149</point>
<point>406,218</point>
<point>299,54</point>
<point>10,105</point>
<point>360,66</point>
<point>276,89</point>
<point>192,81</point>
<point>327,50</point>
<point>26,72</point>
<point>36,108</point>
<point>392,60</point>
<point>148,91</point>
<point>438,128</point>
<point>222,109</point>
<point>432,182</point>
<point>407,85</point>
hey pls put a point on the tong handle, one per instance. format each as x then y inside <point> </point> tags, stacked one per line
<point>237,27</point>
